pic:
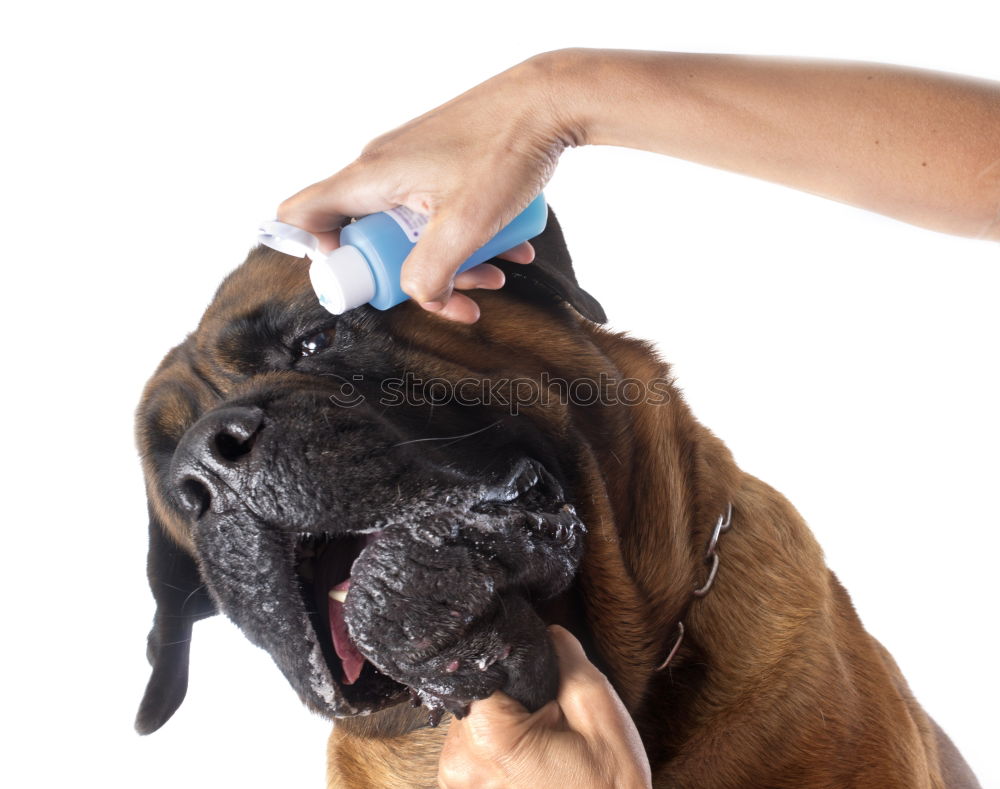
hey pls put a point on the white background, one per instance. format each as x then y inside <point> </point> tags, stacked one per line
<point>847,359</point>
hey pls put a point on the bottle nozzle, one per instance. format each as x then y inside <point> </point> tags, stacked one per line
<point>288,239</point>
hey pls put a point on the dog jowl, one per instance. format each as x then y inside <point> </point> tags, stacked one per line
<point>379,551</point>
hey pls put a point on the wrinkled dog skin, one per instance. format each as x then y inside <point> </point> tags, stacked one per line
<point>394,507</point>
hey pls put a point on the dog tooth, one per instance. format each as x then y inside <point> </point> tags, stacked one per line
<point>340,595</point>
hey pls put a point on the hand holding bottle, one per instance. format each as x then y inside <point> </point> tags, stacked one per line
<point>472,164</point>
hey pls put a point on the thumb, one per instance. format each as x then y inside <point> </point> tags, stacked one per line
<point>451,236</point>
<point>491,720</point>
<point>585,696</point>
<point>496,724</point>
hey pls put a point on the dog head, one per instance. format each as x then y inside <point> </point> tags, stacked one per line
<point>421,471</point>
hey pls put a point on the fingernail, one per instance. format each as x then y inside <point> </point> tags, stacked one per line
<point>433,306</point>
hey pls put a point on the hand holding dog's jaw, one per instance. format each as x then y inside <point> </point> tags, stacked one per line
<point>584,736</point>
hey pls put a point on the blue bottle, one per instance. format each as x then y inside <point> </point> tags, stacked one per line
<point>366,267</point>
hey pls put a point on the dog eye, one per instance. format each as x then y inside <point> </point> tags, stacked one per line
<point>315,343</point>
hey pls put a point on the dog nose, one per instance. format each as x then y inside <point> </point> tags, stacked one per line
<point>213,452</point>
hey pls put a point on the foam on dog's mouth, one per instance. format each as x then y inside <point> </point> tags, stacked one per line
<point>351,660</point>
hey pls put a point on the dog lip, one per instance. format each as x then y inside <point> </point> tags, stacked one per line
<point>265,596</point>
<point>528,479</point>
<point>323,563</point>
<point>249,566</point>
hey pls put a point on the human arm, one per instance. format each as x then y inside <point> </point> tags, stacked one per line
<point>919,146</point>
<point>916,145</point>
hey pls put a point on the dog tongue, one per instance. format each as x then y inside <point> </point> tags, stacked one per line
<point>351,660</point>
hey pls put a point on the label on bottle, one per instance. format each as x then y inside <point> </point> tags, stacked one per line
<point>409,220</point>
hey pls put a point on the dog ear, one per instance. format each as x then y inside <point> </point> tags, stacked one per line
<point>552,273</point>
<point>181,600</point>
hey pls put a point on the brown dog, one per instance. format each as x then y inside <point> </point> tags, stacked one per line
<point>456,487</point>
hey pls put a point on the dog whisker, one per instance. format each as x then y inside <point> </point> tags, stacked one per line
<point>450,439</point>
<point>191,594</point>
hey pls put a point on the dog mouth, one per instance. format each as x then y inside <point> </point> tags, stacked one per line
<point>290,591</point>
<point>323,567</point>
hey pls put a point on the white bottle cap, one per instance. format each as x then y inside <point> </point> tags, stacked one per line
<point>342,279</point>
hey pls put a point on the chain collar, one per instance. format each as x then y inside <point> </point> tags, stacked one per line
<point>722,525</point>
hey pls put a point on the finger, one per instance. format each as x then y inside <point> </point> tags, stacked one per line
<point>461,767</point>
<point>328,240</point>
<point>450,238</point>
<point>572,659</point>
<point>456,765</point>
<point>585,695</point>
<point>327,204</point>
<point>590,704</point>
<point>458,308</point>
<point>499,706</point>
<point>522,253</point>
<point>497,723</point>
<point>492,724</point>
<point>485,276</point>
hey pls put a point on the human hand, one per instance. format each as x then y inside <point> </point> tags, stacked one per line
<point>472,165</point>
<point>584,738</point>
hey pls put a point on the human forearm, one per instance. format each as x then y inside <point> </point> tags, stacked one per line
<point>919,146</point>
